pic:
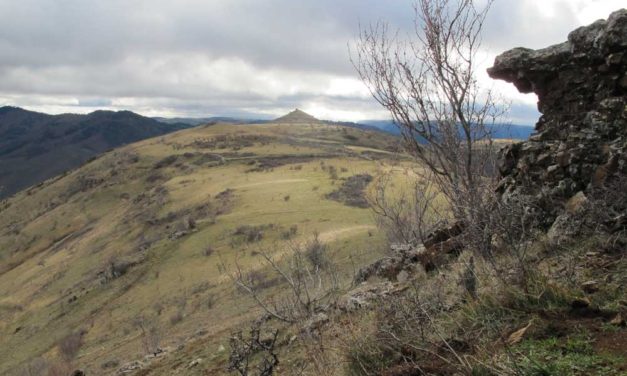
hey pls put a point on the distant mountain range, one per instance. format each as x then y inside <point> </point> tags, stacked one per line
<point>206,120</point>
<point>499,131</point>
<point>36,146</point>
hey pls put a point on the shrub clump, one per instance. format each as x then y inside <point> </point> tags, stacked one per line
<point>70,345</point>
<point>289,233</point>
<point>165,162</point>
<point>352,191</point>
<point>251,234</point>
<point>316,253</point>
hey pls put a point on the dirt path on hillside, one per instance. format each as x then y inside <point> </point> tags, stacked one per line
<point>331,235</point>
<point>280,181</point>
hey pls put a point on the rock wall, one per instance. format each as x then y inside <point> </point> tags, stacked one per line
<point>581,138</point>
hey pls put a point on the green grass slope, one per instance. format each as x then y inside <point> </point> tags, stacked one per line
<point>144,231</point>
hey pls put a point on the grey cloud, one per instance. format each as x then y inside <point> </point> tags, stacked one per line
<point>521,24</point>
<point>273,33</point>
<point>156,55</point>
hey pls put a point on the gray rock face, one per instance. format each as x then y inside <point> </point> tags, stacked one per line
<point>364,295</point>
<point>581,138</point>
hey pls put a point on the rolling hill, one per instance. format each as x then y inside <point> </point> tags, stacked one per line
<point>150,231</point>
<point>36,146</point>
<point>297,117</point>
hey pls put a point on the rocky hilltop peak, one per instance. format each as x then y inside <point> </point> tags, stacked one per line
<point>297,117</point>
<point>580,141</point>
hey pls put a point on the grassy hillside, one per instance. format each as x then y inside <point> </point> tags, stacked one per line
<point>36,146</point>
<point>145,232</point>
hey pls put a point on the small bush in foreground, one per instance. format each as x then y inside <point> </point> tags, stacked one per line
<point>316,253</point>
<point>253,354</point>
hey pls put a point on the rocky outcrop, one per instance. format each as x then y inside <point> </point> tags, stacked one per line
<point>364,295</point>
<point>402,258</point>
<point>438,248</point>
<point>580,141</point>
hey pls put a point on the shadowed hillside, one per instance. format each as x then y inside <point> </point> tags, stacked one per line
<point>36,146</point>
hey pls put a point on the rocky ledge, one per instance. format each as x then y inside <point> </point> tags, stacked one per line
<point>580,141</point>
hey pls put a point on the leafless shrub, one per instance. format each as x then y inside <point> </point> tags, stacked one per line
<point>259,280</point>
<point>208,251</point>
<point>155,177</point>
<point>176,318</point>
<point>290,233</point>
<point>511,232</point>
<point>110,364</point>
<point>166,162</point>
<point>70,345</point>
<point>316,253</point>
<point>226,195</point>
<point>158,308</point>
<point>406,214</point>
<point>115,267</point>
<point>59,368</point>
<point>309,287</point>
<point>352,191</point>
<point>36,367</point>
<point>410,334</point>
<point>150,333</point>
<point>332,172</point>
<point>250,234</point>
<point>211,301</point>
<point>201,287</point>
<point>254,354</point>
<point>605,211</point>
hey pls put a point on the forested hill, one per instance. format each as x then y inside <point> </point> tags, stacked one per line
<point>36,146</point>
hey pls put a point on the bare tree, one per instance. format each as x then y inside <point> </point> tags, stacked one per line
<point>429,86</point>
<point>407,214</point>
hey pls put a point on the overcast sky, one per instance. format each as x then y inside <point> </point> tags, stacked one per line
<point>231,57</point>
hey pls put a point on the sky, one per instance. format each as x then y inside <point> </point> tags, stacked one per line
<point>243,58</point>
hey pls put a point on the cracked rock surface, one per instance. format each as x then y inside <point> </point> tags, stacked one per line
<point>580,141</point>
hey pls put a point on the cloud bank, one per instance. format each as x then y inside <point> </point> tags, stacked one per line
<point>230,57</point>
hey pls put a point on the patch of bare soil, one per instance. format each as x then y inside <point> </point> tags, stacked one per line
<point>614,343</point>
